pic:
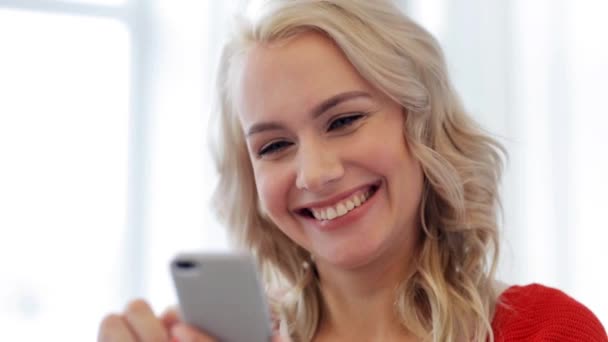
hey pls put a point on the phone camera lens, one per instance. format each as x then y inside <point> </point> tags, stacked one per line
<point>185,264</point>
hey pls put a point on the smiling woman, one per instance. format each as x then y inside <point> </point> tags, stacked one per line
<point>355,156</point>
<point>368,196</point>
<point>401,154</point>
<point>317,159</point>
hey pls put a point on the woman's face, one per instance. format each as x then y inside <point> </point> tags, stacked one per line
<point>331,163</point>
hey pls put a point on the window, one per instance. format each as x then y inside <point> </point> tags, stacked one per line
<point>64,142</point>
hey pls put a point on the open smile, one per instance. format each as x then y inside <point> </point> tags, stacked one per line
<point>329,212</point>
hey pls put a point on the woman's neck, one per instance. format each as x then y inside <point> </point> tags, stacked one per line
<point>359,304</point>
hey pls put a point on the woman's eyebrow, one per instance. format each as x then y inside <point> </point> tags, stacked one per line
<point>317,110</point>
<point>335,100</point>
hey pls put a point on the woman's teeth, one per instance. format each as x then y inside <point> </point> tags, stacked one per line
<point>342,208</point>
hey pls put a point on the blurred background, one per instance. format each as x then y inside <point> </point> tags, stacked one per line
<point>105,171</point>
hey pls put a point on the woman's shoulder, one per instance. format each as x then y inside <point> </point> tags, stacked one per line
<point>535,311</point>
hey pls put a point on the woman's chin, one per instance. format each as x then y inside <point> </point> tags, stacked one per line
<point>350,259</point>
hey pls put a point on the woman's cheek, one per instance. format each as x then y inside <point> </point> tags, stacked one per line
<point>272,190</point>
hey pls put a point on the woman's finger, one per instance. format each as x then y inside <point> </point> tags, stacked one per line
<point>144,323</point>
<point>169,318</point>
<point>186,333</point>
<point>277,338</point>
<point>114,328</point>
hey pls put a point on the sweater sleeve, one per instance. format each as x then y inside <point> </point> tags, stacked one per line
<point>538,313</point>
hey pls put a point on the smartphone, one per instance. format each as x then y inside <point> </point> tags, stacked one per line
<point>222,295</point>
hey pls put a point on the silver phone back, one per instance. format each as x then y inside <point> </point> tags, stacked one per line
<point>221,294</point>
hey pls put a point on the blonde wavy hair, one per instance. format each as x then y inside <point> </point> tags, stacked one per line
<point>451,294</point>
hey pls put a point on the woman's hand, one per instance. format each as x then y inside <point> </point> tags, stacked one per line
<point>138,323</point>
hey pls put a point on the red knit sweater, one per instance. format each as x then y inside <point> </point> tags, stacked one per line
<point>539,313</point>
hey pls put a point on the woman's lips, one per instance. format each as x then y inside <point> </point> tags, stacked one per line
<point>346,218</point>
<point>359,195</point>
<point>332,201</point>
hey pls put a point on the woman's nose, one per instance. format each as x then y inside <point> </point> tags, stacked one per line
<point>317,166</point>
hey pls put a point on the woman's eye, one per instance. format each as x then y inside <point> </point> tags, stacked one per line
<point>344,121</point>
<point>273,147</point>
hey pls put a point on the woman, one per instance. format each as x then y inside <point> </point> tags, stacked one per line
<point>367,194</point>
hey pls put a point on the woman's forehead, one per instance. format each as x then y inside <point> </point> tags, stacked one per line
<point>295,75</point>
